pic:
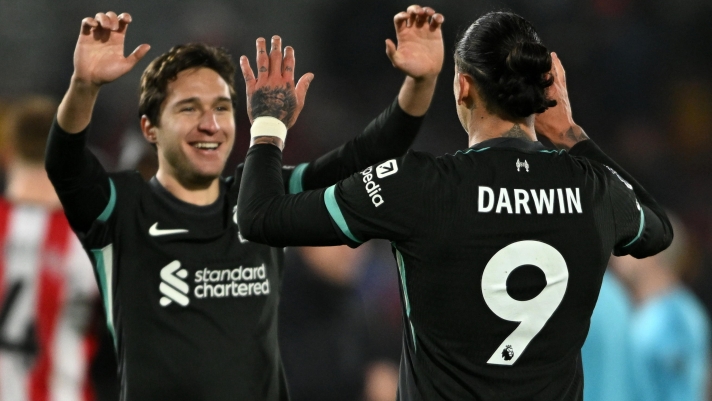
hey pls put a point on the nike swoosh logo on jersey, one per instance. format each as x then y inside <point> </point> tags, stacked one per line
<point>154,231</point>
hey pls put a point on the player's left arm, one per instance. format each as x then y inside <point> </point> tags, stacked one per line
<point>419,55</point>
<point>643,228</point>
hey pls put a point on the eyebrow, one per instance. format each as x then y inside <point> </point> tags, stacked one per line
<point>197,100</point>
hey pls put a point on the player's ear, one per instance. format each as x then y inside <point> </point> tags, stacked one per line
<point>465,90</point>
<point>148,129</point>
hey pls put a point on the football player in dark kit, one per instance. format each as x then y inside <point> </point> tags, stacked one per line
<point>501,248</point>
<point>191,304</point>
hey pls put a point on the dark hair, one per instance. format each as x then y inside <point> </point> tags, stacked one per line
<point>510,65</point>
<point>165,68</point>
<point>27,126</point>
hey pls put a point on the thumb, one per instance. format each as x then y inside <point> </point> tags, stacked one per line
<point>138,54</point>
<point>303,86</point>
<point>391,51</point>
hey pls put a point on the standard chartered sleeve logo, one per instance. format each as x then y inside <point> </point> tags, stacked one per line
<point>172,287</point>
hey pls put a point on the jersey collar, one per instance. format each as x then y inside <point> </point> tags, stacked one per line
<point>184,207</point>
<point>515,143</point>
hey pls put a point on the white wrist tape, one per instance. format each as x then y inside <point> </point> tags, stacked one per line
<point>268,126</point>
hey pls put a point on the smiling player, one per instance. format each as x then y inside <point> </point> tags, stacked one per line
<point>193,306</point>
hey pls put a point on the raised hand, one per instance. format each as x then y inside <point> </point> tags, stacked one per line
<point>273,92</point>
<point>420,50</point>
<point>99,54</point>
<point>557,123</point>
<point>98,59</point>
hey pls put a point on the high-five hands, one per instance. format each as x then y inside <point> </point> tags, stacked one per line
<point>420,51</point>
<point>557,123</point>
<point>99,54</point>
<point>273,92</point>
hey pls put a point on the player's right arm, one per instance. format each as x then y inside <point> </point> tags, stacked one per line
<point>642,226</point>
<point>79,179</point>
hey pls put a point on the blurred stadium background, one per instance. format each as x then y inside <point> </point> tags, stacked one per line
<point>639,75</point>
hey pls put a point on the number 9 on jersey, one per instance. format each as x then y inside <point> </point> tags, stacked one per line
<point>532,314</point>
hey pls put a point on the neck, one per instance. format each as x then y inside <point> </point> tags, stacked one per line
<point>483,126</point>
<point>200,195</point>
<point>28,183</point>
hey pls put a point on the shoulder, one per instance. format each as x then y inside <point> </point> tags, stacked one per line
<point>126,188</point>
<point>410,172</point>
<point>127,179</point>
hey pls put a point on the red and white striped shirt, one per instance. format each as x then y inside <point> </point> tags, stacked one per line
<point>47,291</point>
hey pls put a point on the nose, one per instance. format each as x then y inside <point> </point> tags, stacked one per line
<point>209,123</point>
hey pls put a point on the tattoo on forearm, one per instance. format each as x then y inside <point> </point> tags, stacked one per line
<point>516,132</point>
<point>277,102</point>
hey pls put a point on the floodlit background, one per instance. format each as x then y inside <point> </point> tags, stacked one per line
<point>639,77</point>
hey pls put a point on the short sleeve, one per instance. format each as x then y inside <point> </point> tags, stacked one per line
<point>383,201</point>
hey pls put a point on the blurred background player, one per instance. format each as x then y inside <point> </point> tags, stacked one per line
<point>668,344</point>
<point>606,353</point>
<point>48,297</point>
<point>323,320</point>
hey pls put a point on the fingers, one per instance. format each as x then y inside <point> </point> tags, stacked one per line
<point>87,25</point>
<point>436,22</point>
<point>303,86</point>
<point>275,56</point>
<point>138,53</point>
<point>288,64</point>
<point>418,16</point>
<point>401,20</point>
<point>423,16</point>
<point>262,58</point>
<point>124,21</point>
<point>413,12</point>
<point>391,51</point>
<point>108,21</point>
<point>247,74</point>
<point>557,69</point>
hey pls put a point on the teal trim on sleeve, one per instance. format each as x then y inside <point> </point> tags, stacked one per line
<point>295,181</point>
<point>640,229</point>
<point>335,212</point>
<point>401,270</point>
<point>109,206</point>
<point>464,152</point>
<point>104,269</point>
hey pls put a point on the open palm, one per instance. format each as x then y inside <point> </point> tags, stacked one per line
<point>420,50</point>
<point>99,55</point>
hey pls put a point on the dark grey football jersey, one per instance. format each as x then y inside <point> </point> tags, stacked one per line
<point>191,304</point>
<point>500,250</point>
